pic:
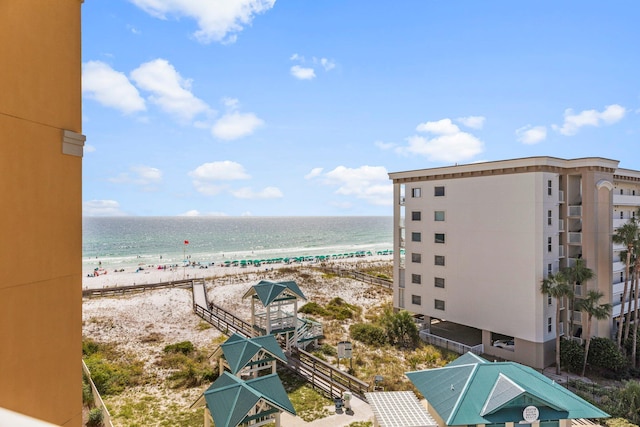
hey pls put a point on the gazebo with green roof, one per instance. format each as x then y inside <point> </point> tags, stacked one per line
<point>233,402</point>
<point>473,391</point>
<point>274,310</point>
<point>249,357</point>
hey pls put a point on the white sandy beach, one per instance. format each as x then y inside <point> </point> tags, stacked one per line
<point>150,273</point>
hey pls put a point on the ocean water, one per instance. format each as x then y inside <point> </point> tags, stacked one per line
<point>123,242</point>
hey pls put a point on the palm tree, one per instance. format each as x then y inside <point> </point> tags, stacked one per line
<point>578,274</point>
<point>557,286</point>
<point>626,235</point>
<point>634,271</point>
<point>590,305</point>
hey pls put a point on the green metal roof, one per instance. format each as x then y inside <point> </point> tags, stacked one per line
<point>268,291</point>
<point>230,399</point>
<point>471,390</point>
<point>238,350</point>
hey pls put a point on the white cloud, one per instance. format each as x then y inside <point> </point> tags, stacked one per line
<point>89,148</point>
<point>220,171</point>
<point>296,57</point>
<point>573,122</point>
<point>531,134</point>
<point>314,172</point>
<point>444,126</point>
<point>449,144</point>
<point>384,145</point>
<point>101,208</point>
<point>232,104</point>
<point>327,64</point>
<point>369,183</point>
<point>236,125</point>
<point>266,193</point>
<point>207,177</point>
<point>218,20</point>
<point>110,88</point>
<point>139,175</point>
<point>302,73</point>
<point>169,90</point>
<point>473,122</point>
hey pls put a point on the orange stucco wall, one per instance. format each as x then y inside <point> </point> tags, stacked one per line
<point>40,210</point>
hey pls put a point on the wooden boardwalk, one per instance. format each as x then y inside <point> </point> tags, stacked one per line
<point>321,375</point>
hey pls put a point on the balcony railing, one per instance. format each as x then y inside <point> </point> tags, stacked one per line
<point>560,251</point>
<point>626,200</point>
<point>575,238</point>
<point>577,318</point>
<point>561,196</point>
<point>575,210</point>
<point>561,225</point>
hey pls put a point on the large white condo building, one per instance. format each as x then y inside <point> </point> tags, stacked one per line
<point>472,244</point>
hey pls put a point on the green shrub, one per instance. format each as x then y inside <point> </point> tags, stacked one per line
<point>328,350</point>
<point>629,402</point>
<point>89,347</point>
<point>571,355</point>
<point>113,377</point>
<point>95,418</point>
<point>400,328</point>
<point>191,367</point>
<point>184,347</point>
<point>313,308</point>
<point>87,394</point>
<point>603,353</point>
<point>368,334</point>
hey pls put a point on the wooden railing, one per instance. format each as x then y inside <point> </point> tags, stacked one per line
<point>122,290</point>
<point>224,321</point>
<point>325,377</point>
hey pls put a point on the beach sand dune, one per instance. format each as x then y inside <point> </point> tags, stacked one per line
<point>143,324</point>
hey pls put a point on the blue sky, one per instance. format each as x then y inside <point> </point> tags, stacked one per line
<point>264,108</point>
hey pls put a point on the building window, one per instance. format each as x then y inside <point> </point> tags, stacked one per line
<point>416,237</point>
<point>416,258</point>
<point>549,243</point>
<point>621,276</point>
<point>549,268</point>
<point>549,217</point>
<point>549,188</point>
<point>416,300</point>
<point>416,216</point>
<point>549,324</point>
<point>439,238</point>
<point>621,215</point>
<point>416,192</point>
<point>438,282</point>
<point>633,192</point>
<point>439,304</point>
<point>439,259</point>
<point>438,216</point>
<point>549,300</point>
<point>621,192</point>
<point>416,279</point>
<point>438,191</point>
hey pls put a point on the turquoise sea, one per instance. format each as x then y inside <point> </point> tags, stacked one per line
<point>122,242</point>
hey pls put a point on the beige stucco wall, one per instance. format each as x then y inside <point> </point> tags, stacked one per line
<point>492,271</point>
<point>40,218</point>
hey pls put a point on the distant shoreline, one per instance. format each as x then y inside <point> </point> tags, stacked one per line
<point>150,273</point>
